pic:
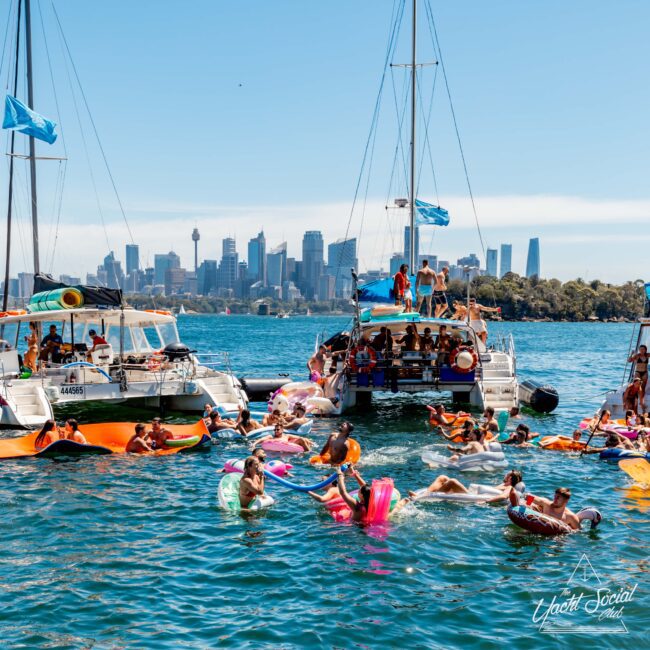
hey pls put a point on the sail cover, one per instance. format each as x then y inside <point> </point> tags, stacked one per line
<point>93,296</point>
<point>381,291</point>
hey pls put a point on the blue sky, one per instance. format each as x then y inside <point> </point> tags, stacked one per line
<point>237,115</point>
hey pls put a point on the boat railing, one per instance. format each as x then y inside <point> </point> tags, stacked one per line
<point>215,361</point>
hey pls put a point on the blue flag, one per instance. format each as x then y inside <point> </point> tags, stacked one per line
<point>430,215</point>
<point>23,119</point>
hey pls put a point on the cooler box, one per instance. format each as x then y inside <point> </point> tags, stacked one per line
<point>447,374</point>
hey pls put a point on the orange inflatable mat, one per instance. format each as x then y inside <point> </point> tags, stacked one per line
<point>354,453</point>
<point>104,438</point>
<point>561,443</point>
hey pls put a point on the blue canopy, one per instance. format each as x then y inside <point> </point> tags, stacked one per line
<point>381,291</point>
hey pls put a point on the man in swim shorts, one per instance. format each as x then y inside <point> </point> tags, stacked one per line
<point>439,292</point>
<point>475,320</point>
<point>443,346</point>
<point>557,508</point>
<point>316,363</point>
<point>337,445</point>
<point>424,286</point>
<point>281,436</point>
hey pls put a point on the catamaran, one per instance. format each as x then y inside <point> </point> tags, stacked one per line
<point>476,373</point>
<point>140,359</point>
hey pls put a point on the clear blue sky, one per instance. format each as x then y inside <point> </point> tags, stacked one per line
<point>237,115</point>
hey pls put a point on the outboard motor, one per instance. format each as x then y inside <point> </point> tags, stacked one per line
<point>177,351</point>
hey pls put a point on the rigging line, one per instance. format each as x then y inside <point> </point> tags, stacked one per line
<point>434,35</point>
<point>391,45</point>
<point>85,147</point>
<point>427,142</point>
<point>400,123</point>
<point>4,42</point>
<point>92,121</point>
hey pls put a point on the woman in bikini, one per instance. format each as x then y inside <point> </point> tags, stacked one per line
<point>251,484</point>
<point>640,360</point>
<point>47,435</point>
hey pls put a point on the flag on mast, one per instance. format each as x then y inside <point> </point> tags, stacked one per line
<point>430,215</point>
<point>23,119</point>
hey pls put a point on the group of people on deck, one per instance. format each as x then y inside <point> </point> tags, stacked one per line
<point>431,288</point>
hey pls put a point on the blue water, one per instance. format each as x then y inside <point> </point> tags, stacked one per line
<point>114,552</point>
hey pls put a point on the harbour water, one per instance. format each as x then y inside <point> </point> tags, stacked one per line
<point>114,552</point>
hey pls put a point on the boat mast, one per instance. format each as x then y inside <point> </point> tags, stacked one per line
<point>412,189</point>
<point>32,146</point>
<point>5,293</point>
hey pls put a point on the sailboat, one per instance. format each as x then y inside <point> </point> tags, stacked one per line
<point>181,310</point>
<point>471,372</point>
<point>136,355</point>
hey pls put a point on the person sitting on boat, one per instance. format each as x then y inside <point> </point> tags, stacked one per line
<point>251,484</point>
<point>640,360</point>
<point>337,446</point>
<point>473,446</point>
<point>426,341</point>
<point>411,339</point>
<point>31,356</point>
<point>245,423</point>
<point>297,417</point>
<point>475,320</point>
<point>51,345</point>
<point>512,479</point>
<point>460,311</point>
<point>280,436</point>
<point>72,432</point>
<point>383,342</point>
<point>138,443</point>
<point>400,283</point>
<point>316,363</point>
<point>217,423</point>
<point>443,346</point>
<point>359,507</point>
<point>158,435</point>
<point>632,395</point>
<point>556,508</point>
<point>97,340</point>
<point>424,286</point>
<point>47,435</point>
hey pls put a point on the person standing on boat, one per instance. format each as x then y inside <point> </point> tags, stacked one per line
<point>401,283</point>
<point>316,364</point>
<point>440,292</point>
<point>475,320</point>
<point>640,360</point>
<point>29,360</point>
<point>632,395</point>
<point>443,346</point>
<point>424,286</point>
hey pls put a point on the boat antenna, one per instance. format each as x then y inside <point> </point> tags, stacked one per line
<point>5,292</point>
<point>32,145</point>
<point>413,106</point>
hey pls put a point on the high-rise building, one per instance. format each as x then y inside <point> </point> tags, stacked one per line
<point>206,277</point>
<point>407,245</point>
<point>276,265</point>
<point>506,259</point>
<point>25,284</point>
<point>229,264</point>
<point>257,259</point>
<point>470,260</point>
<point>312,262</point>
<point>163,262</point>
<point>174,280</point>
<point>491,262</point>
<point>532,261</point>
<point>132,258</point>
<point>432,259</point>
<point>396,261</point>
<point>111,272</point>
<point>341,258</point>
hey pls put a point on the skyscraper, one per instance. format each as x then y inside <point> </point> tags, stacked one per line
<point>312,262</point>
<point>532,261</point>
<point>132,258</point>
<point>506,259</point>
<point>276,265</point>
<point>114,277</point>
<point>407,246</point>
<point>195,238</point>
<point>491,262</point>
<point>229,263</point>
<point>257,259</point>
<point>341,258</point>
<point>163,262</point>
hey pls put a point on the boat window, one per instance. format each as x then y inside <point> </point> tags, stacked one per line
<point>9,333</point>
<point>140,339</point>
<point>153,338</point>
<point>644,336</point>
<point>167,333</point>
<point>113,337</point>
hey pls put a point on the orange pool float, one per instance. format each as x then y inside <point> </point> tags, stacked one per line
<point>561,443</point>
<point>105,438</point>
<point>353,455</point>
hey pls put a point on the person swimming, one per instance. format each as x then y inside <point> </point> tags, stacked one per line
<point>359,507</point>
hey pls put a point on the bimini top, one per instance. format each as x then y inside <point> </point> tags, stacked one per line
<point>142,318</point>
<point>384,314</point>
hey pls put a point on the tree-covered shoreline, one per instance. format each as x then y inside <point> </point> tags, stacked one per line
<point>520,299</point>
